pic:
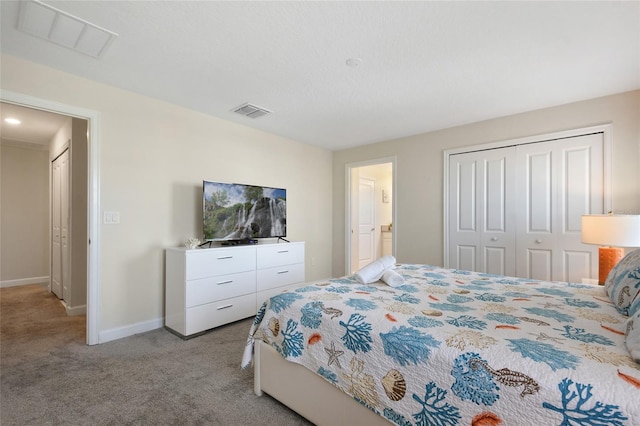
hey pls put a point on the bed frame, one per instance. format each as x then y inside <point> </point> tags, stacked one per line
<point>307,393</point>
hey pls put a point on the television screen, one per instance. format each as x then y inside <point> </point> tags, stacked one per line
<point>234,211</point>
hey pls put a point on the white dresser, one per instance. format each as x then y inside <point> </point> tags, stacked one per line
<point>206,288</point>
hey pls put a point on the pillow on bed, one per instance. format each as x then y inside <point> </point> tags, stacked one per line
<point>623,282</point>
<point>633,336</point>
<point>634,308</point>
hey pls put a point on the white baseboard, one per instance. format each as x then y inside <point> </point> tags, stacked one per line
<point>129,330</point>
<point>76,310</point>
<point>24,281</point>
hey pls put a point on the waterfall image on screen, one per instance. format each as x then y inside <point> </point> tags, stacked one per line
<point>234,211</point>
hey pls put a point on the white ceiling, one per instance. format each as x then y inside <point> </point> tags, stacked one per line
<point>36,127</point>
<point>425,65</point>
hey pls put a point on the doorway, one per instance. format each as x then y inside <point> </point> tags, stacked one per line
<point>92,196</point>
<point>370,211</point>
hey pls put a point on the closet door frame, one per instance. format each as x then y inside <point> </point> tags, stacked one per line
<point>605,129</point>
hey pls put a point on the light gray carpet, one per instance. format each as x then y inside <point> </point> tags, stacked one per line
<point>49,376</point>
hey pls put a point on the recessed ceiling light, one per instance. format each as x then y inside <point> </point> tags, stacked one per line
<point>354,62</point>
<point>12,120</point>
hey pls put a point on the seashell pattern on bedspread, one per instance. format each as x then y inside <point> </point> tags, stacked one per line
<point>456,347</point>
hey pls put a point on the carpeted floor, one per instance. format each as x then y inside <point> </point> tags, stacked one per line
<point>49,376</point>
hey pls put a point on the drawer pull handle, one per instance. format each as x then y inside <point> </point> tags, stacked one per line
<point>224,282</point>
<point>282,272</point>
<point>224,307</point>
<point>283,251</point>
<point>225,257</point>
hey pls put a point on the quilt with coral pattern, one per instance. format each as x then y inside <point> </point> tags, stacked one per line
<point>456,347</point>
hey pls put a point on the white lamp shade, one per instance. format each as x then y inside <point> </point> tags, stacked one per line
<point>611,230</point>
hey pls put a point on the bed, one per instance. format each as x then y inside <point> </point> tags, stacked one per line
<point>453,347</point>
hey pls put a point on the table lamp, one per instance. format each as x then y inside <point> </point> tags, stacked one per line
<point>611,231</point>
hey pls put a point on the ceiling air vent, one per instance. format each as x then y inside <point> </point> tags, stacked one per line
<point>252,111</point>
<point>47,22</point>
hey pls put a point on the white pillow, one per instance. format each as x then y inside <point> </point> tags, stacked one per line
<point>374,270</point>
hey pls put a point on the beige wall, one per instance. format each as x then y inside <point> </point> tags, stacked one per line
<point>419,187</point>
<point>153,157</point>
<point>61,140</point>
<point>24,215</point>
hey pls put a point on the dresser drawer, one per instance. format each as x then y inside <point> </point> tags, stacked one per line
<point>280,276</point>
<point>280,254</point>
<point>204,317</point>
<point>208,263</point>
<point>206,290</point>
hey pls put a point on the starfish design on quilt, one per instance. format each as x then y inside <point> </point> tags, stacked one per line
<point>334,355</point>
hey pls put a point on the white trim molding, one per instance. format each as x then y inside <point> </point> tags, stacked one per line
<point>24,281</point>
<point>129,330</point>
<point>76,310</point>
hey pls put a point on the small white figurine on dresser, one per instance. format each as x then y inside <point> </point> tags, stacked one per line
<point>192,243</point>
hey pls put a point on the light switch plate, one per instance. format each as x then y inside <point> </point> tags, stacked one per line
<point>111,218</point>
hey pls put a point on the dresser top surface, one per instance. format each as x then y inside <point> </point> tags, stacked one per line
<point>232,247</point>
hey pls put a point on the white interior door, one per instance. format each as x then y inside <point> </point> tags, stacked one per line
<point>517,210</point>
<point>559,182</point>
<point>366,222</point>
<point>56,261</point>
<point>464,235</point>
<point>60,225</point>
<point>64,225</point>
<point>482,225</point>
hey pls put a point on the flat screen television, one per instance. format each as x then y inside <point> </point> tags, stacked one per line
<point>232,211</point>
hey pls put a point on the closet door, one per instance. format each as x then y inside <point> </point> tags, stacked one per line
<point>56,260</point>
<point>60,225</point>
<point>517,210</point>
<point>558,181</point>
<point>64,225</point>
<point>482,218</point>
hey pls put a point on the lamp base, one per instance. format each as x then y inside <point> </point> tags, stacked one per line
<point>608,258</point>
